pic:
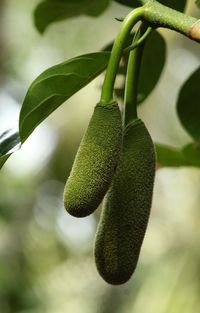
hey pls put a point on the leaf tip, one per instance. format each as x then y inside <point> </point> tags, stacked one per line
<point>39,25</point>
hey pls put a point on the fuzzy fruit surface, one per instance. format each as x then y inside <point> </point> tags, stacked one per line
<point>126,208</point>
<point>95,162</point>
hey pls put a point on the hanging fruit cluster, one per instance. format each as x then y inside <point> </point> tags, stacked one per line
<point>116,159</point>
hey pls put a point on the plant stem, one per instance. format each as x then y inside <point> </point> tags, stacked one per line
<point>132,80</point>
<point>158,15</point>
<point>138,42</point>
<point>132,18</point>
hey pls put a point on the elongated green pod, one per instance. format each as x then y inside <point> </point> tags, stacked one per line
<point>126,208</point>
<point>95,162</point>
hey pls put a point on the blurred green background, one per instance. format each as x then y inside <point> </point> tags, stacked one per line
<point>46,256</point>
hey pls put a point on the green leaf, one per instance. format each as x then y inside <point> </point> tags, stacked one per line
<point>177,4</point>
<point>9,143</point>
<point>55,86</point>
<point>48,91</point>
<point>153,62</point>
<point>3,160</point>
<point>174,4</point>
<point>151,68</point>
<point>188,105</point>
<point>198,3</point>
<point>50,11</point>
<point>130,3</point>
<point>169,156</point>
<point>96,7</point>
<point>191,153</point>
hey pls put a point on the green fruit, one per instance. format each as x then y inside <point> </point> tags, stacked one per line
<point>126,208</point>
<point>95,162</point>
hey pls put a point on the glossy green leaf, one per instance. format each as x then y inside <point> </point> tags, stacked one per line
<point>174,4</point>
<point>48,91</point>
<point>191,153</point>
<point>96,7</point>
<point>151,68</point>
<point>55,86</point>
<point>3,160</point>
<point>198,3</point>
<point>169,156</point>
<point>50,11</point>
<point>188,105</point>
<point>153,62</point>
<point>9,143</point>
<point>130,3</point>
<point>177,4</point>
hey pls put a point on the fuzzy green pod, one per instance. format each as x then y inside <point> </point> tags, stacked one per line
<point>127,207</point>
<point>95,162</point>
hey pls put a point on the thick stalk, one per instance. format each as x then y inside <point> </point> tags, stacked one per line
<point>158,15</point>
<point>132,80</point>
<point>117,50</point>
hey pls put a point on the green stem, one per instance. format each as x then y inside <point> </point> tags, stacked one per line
<point>117,50</point>
<point>158,15</point>
<point>138,42</point>
<point>132,80</point>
